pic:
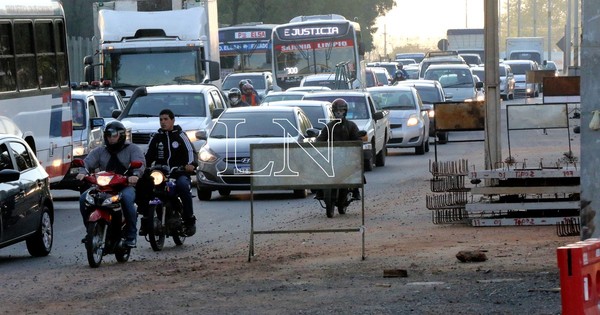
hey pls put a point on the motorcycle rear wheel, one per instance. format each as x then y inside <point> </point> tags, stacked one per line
<point>343,200</point>
<point>156,231</point>
<point>122,254</point>
<point>94,243</point>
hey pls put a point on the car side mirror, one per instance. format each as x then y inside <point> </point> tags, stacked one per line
<point>378,115</point>
<point>479,85</point>
<point>201,135</point>
<point>312,132</point>
<point>96,122</point>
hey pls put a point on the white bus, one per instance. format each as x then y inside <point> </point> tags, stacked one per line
<point>34,79</point>
<point>316,44</point>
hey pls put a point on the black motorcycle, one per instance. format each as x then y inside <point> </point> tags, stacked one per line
<point>164,216</point>
<point>338,197</point>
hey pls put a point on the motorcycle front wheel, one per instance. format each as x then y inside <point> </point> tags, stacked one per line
<point>94,243</point>
<point>156,231</point>
<point>122,254</point>
<point>329,197</point>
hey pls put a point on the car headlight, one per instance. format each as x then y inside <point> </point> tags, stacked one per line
<point>431,113</point>
<point>191,134</point>
<point>157,177</point>
<point>207,155</point>
<point>412,120</point>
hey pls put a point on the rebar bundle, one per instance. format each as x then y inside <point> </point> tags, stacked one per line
<point>569,227</point>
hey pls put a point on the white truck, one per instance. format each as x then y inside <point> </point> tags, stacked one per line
<point>466,41</point>
<point>525,48</point>
<point>156,47</point>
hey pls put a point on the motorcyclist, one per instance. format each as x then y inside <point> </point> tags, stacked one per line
<point>116,155</point>
<point>400,74</point>
<point>340,129</point>
<point>235,98</point>
<point>171,146</point>
<point>249,95</point>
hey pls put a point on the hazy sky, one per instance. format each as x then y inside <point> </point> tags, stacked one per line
<point>426,21</point>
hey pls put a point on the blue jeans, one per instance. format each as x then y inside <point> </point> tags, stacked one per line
<point>183,186</point>
<point>129,211</point>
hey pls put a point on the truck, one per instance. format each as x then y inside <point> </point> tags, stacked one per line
<point>466,41</point>
<point>525,48</point>
<point>155,47</point>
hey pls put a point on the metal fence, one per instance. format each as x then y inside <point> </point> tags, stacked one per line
<point>78,47</point>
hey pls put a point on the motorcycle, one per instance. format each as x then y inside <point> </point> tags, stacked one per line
<point>337,197</point>
<point>106,221</point>
<point>165,209</point>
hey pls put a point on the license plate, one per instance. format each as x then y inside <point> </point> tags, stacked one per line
<point>241,170</point>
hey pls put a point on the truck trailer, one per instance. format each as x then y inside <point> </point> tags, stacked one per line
<point>467,41</point>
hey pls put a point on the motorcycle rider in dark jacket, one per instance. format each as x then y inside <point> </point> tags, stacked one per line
<point>336,130</point>
<point>171,146</point>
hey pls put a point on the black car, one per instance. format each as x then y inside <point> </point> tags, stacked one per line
<point>26,208</point>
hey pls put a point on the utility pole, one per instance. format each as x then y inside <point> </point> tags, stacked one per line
<point>534,18</point>
<point>385,40</point>
<point>519,18</point>
<point>508,18</point>
<point>549,30</point>
<point>576,34</point>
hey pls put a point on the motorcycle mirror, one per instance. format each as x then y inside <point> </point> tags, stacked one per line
<point>136,164</point>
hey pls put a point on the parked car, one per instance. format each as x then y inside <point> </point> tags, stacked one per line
<point>91,110</point>
<point>363,111</point>
<point>431,92</point>
<point>27,212</point>
<point>194,107</point>
<point>519,69</point>
<point>283,96</point>
<point>457,81</point>
<point>261,81</point>
<point>549,65</point>
<point>409,119</point>
<point>224,160</point>
<point>507,82</point>
<point>318,112</point>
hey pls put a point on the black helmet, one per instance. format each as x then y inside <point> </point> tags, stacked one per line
<point>339,104</point>
<point>234,93</point>
<point>242,83</point>
<point>113,128</point>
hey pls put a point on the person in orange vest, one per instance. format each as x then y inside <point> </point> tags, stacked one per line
<point>249,95</point>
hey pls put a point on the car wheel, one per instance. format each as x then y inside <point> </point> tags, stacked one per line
<point>370,163</point>
<point>420,150</point>
<point>300,193</point>
<point>427,145</point>
<point>204,194</point>
<point>380,159</point>
<point>40,243</point>
<point>442,137</point>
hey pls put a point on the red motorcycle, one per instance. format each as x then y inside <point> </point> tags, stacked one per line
<point>106,221</point>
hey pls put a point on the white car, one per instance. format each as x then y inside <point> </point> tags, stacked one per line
<point>194,107</point>
<point>457,80</point>
<point>261,81</point>
<point>318,112</point>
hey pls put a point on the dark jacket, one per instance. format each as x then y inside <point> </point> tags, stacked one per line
<point>335,130</point>
<point>171,148</point>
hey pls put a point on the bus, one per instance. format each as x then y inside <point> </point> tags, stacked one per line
<point>316,44</point>
<point>245,48</point>
<point>34,80</point>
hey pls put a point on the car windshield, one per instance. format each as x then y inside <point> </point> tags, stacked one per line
<point>327,83</point>
<point>429,94</point>
<point>261,124</point>
<point>182,104</point>
<point>450,77</point>
<point>315,113</point>
<point>234,82</point>
<point>520,68</point>
<point>357,106</point>
<point>395,100</point>
<point>105,104</point>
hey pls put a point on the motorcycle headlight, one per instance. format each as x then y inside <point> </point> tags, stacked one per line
<point>112,199</point>
<point>103,180</point>
<point>207,155</point>
<point>157,177</point>
<point>412,121</point>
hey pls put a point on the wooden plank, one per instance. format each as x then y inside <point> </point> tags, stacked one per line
<point>518,221</point>
<point>484,190</point>
<point>525,173</point>
<point>459,116</point>
<point>562,86</point>
<point>502,206</point>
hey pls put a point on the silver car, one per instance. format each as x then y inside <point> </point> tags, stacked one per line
<point>319,112</point>
<point>409,120</point>
<point>224,160</point>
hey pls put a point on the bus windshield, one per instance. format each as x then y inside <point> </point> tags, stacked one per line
<point>245,48</point>
<point>312,47</point>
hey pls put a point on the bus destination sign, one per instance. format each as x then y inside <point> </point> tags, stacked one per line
<point>312,31</point>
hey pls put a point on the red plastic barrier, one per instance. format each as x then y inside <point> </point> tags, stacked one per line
<point>579,265</point>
